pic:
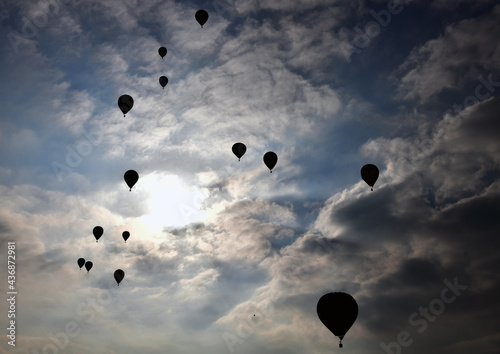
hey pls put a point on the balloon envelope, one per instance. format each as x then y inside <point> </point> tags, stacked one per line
<point>131,177</point>
<point>270,159</point>
<point>201,16</point>
<point>125,102</point>
<point>119,275</point>
<point>162,51</point>
<point>98,231</point>
<point>125,235</point>
<point>337,311</point>
<point>369,173</point>
<point>88,265</point>
<point>239,150</point>
<point>81,262</point>
<point>163,81</point>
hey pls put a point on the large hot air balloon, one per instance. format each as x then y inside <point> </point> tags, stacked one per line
<point>131,177</point>
<point>239,150</point>
<point>270,159</point>
<point>163,81</point>
<point>88,265</point>
<point>125,235</point>
<point>119,275</point>
<point>201,16</point>
<point>125,102</point>
<point>98,231</point>
<point>337,311</point>
<point>369,173</point>
<point>81,262</point>
<point>162,51</point>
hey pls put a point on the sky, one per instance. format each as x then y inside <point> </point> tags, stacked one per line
<point>223,256</point>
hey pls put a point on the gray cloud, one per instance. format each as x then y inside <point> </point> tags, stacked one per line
<point>464,51</point>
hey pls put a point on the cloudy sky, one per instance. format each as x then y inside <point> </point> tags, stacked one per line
<point>329,85</point>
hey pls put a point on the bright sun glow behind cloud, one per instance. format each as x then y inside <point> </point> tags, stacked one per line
<point>171,202</point>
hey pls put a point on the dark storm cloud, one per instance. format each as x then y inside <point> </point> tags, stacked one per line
<point>424,240</point>
<point>377,217</point>
<point>413,274</point>
<point>458,242</point>
<point>480,124</point>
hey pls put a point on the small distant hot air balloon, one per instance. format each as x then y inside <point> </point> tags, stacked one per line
<point>125,235</point>
<point>270,159</point>
<point>369,173</point>
<point>162,51</point>
<point>119,275</point>
<point>131,177</point>
<point>163,81</point>
<point>337,311</point>
<point>98,231</point>
<point>81,262</point>
<point>88,265</point>
<point>125,102</point>
<point>201,16</point>
<point>239,150</point>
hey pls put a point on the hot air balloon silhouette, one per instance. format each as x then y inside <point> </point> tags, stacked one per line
<point>201,16</point>
<point>131,177</point>
<point>125,103</point>
<point>162,51</point>
<point>88,265</point>
<point>239,150</point>
<point>97,231</point>
<point>337,311</point>
<point>119,275</point>
<point>163,81</point>
<point>270,159</point>
<point>369,173</point>
<point>125,235</point>
<point>80,262</point>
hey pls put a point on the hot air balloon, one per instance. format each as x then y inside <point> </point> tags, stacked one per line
<point>125,235</point>
<point>239,150</point>
<point>270,159</point>
<point>337,311</point>
<point>81,262</point>
<point>369,173</point>
<point>162,51</point>
<point>98,231</point>
<point>163,81</point>
<point>88,265</point>
<point>131,177</point>
<point>201,16</point>
<point>125,102</point>
<point>119,275</point>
